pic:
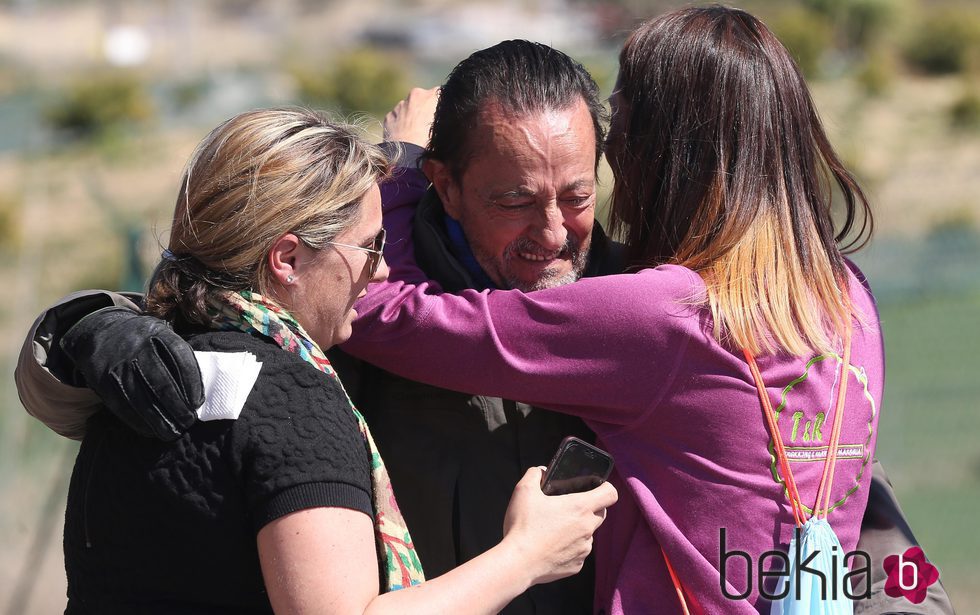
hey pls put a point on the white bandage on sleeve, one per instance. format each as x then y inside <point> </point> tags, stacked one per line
<point>228,378</point>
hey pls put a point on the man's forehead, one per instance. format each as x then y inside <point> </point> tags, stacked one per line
<point>494,113</point>
<point>515,138</point>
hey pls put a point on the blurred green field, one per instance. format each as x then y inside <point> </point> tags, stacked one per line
<point>928,430</point>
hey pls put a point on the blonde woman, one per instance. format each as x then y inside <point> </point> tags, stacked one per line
<point>724,184</point>
<point>278,500</point>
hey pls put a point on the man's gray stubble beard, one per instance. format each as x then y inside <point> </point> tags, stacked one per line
<point>550,279</point>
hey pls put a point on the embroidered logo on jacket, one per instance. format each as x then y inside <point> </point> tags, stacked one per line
<point>806,429</point>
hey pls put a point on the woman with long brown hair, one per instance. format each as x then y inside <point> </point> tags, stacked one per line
<point>736,375</point>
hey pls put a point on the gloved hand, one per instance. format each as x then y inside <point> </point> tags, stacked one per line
<point>146,374</point>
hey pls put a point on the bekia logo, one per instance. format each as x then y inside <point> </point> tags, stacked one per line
<point>829,575</point>
<point>909,575</point>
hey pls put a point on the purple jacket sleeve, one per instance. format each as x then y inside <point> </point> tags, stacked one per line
<point>588,348</point>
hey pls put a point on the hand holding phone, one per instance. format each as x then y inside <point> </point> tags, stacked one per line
<point>577,466</point>
<point>554,534</point>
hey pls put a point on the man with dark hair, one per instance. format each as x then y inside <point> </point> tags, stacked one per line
<point>526,227</point>
<point>512,158</point>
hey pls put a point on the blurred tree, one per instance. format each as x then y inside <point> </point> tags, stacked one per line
<point>235,9</point>
<point>363,80</point>
<point>955,228</point>
<point>828,8</point>
<point>965,111</point>
<point>127,227</point>
<point>857,24</point>
<point>603,72</point>
<point>9,221</point>
<point>807,34</point>
<point>187,94</point>
<point>947,41</point>
<point>617,18</point>
<point>878,72</point>
<point>96,104</point>
<point>865,21</point>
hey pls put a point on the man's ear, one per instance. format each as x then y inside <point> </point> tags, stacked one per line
<point>445,185</point>
<point>284,259</point>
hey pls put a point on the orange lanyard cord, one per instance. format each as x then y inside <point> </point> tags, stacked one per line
<point>827,479</point>
<point>677,583</point>
<point>777,440</point>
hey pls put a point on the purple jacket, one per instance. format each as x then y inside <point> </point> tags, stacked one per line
<point>634,357</point>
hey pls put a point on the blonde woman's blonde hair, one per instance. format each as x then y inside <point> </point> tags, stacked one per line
<point>255,177</point>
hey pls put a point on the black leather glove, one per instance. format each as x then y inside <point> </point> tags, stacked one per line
<point>146,375</point>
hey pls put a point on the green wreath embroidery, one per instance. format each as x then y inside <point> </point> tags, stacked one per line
<point>862,377</point>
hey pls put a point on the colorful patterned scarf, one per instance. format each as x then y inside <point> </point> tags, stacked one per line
<point>250,312</point>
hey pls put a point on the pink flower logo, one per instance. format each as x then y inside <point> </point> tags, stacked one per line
<point>909,575</point>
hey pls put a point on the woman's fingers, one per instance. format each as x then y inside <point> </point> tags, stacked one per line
<point>555,532</point>
<point>411,119</point>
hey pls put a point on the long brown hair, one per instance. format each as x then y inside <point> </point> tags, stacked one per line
<point>723,167</point>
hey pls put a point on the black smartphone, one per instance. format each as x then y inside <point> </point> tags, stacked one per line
<point>576,466</point>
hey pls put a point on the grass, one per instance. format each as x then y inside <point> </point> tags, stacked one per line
<point>929,423</point>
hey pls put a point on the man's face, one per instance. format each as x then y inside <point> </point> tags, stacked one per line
<point>526,199</point>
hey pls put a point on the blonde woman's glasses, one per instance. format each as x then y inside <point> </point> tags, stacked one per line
<point>376,250</point>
